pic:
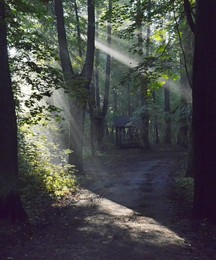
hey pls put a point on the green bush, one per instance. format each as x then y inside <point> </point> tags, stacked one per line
<point>43,166</point>
<point>184,187</point>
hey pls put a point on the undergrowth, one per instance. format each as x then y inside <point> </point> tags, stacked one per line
<point>45,176</point>
<point>182,191</point>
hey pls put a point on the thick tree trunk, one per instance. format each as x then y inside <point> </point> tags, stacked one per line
<point>77,85</point>
<point>204,112</point>
<point>76,135</point>
<point>10,203</point>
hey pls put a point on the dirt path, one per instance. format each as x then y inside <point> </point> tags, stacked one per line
<point>122,213</point>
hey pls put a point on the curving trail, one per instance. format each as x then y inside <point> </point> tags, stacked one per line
<point>122,213</point>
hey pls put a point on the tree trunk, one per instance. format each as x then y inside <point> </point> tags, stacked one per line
<point>204,112</point>
<point>185,86</point>
<point>99,114</point>
<point>76,135</point>
<point>10,203</point>
<point>182,136</point>
<point>145,119</point>
<point>78,28</point>
<point>156,132</point>
<point>167,137</point>
<point>143,82</point>
<point>77,85</point>
<point>108,65</point>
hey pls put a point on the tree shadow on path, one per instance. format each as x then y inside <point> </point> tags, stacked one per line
<point>119,213</point>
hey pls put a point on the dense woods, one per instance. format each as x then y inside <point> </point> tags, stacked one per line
<point>78,78</point>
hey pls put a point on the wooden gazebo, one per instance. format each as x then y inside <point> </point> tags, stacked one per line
<point>127,132</point>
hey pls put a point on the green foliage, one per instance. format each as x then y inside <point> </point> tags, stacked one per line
<point>43,167</point>
<point>184,187</point>
<point>182,195</point>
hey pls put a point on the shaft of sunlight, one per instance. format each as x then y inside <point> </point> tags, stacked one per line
<point>176,88</point>
<point>117,55</point>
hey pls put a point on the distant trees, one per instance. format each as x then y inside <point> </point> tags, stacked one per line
<point>204,112</point>
<point>10,204</point>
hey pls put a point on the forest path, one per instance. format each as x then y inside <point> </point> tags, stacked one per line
<point>123,212</point>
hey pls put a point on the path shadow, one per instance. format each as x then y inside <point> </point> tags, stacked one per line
<point>139,181</point>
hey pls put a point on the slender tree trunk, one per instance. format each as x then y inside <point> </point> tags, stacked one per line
<point>156,132</point>
<point>129,99</point>
<point>78,28</point>
<point>204,112</point>
<point>167,137</point>
<point>96,80</point>
<point>10,203</point>
<point>145,119</point>
<point>99,114</point>
<point>115,101</point>
<point>185,88</point>
<point>182,136</point>
<point>94,100</point>
<point>108,71</point>
<point>143,82</point>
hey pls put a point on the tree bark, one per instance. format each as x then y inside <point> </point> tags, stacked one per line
<point>108,64</point>
<point>188,13</point>
<point>99,113</point>
<point>156,132</point>
<point>10,203</point>
<point>143,82</point>
<point>78,28</point>
<point>167,137</point>
<point>78,86</point>
<point>185,86</point>
<point>204,112</point>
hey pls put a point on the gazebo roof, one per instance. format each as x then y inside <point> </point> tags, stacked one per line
<point>122,121</point>
<point>126,121</point>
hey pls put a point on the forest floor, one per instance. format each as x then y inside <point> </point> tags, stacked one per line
<point>123,211</point>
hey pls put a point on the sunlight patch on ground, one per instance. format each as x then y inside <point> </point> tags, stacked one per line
<point>120,217</point>
<point>114,208</point>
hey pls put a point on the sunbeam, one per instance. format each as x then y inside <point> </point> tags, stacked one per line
<point>117,55</point>
<point>175,87</point>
